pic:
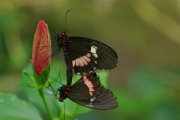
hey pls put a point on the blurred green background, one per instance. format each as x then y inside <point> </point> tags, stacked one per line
<point>144,33</point>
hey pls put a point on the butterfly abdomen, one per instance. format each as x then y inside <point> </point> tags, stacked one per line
<point>69,72</point>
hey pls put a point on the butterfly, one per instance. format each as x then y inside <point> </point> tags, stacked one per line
<point>85,55</point>
<point>89,92</point>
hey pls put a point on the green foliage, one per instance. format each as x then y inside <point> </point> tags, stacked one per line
<point>13,108</point>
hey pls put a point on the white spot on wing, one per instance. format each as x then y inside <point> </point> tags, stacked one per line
<point>90,105</point>
<point>93,51</point>
<point>92,99</point>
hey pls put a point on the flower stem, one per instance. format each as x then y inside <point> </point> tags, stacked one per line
<point>45,103</point>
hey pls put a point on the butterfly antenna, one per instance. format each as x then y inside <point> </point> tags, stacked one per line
<point>66,20</point>
<point>56,79</point>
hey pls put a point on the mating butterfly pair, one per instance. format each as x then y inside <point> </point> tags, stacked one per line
<point>84,56</point>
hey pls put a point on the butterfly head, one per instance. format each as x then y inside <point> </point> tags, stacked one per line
<point>63,35</point>
<point>61,38</point>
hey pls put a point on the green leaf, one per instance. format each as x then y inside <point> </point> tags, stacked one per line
<point>12,108</point>
<point>29,76</point>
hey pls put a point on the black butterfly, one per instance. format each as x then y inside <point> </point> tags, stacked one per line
<point>85,55</point>
<point>89,92</point>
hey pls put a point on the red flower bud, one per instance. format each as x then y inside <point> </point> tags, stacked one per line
<point>41,54</point>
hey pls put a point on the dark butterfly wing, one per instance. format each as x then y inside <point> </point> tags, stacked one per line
<point>105,100</point>
<point>91,54</point>
<point>87,41</point>
<point>101,98</point>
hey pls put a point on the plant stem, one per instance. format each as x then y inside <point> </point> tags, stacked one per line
<point>45,103</point>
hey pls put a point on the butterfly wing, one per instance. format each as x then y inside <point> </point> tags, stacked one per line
<point>92,94</point>
<point>105,100</point>
<point>88,55</point>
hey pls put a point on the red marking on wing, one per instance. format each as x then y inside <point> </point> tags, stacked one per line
<point>73,63</point>
<point>77,62</point>
<point>86,58</point>
<point>82,61</point>
<point>91,89</point>
<point>88,55</point>
<point>88,84</point>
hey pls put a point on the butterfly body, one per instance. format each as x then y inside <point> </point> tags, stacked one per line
<point>64,90</point>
